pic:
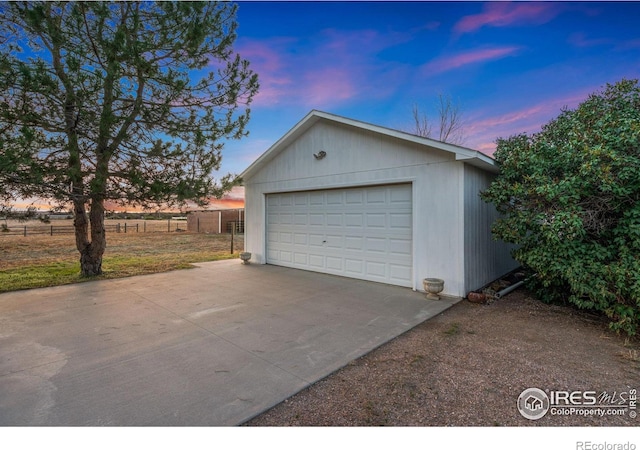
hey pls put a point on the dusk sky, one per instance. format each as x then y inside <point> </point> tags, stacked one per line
<point>511,66</point>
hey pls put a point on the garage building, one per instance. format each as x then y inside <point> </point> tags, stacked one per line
<point>348,198</point>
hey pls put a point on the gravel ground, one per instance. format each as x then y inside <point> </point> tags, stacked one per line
<point>467,367</point>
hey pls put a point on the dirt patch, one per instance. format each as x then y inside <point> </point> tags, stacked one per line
<point>467,367</point>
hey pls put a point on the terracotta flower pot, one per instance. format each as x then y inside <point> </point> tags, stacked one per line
<point>477,297</point>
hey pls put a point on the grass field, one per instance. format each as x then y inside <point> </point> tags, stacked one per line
<point>41,260</point>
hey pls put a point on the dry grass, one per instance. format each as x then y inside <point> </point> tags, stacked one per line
<point>41,260</point>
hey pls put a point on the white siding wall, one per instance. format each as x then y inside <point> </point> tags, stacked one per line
<point>357,157</point>
<point>485,259</point>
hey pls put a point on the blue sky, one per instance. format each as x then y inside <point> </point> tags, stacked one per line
<point>510,66</point>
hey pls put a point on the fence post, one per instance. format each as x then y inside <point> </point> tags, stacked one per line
<point>232,228</point>
<point>232,234</point>
<point>51,230</point>
<point>137,227</point>
<point>25,230</point>
<point>198,222</point>
<point>144,226</point>
<point>125,227</point>
<point>168,225</point>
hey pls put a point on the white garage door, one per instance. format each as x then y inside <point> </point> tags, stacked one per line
<point>357,232</point>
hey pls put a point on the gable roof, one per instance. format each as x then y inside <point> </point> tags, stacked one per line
<point>467,155</point>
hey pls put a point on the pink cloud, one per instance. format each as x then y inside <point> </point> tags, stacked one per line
<point>510,118</point>
<point>341,43</point>
<point>432,26</point>
<point>501,14</point>
<point>629,45</point>
<point>264,54</point>
<point>267,61</point>
<point>330,68</point>
<point>447,63</point>
<point>329,85</point>
<point>482,131</point>
<point>581,40</point>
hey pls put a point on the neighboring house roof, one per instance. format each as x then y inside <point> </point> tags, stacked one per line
<point>214,210</point>
<point>467,155</point>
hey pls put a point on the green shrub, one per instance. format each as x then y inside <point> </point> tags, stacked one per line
<point>570,199</point>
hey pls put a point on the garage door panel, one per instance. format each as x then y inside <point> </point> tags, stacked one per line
<point>316,219</point>
<point>376,245</point>
<point>286,238</point>
<point>301,219</point>
<point>334,242</point>
<point>354,243</point>
<point>400,273</point>
<point>334,220</point>
<point>400,247</point>
<point>334,197</point>
<point>285,256</point>
<point>334,263</point>
<point>400,220</point>
<point>300,258</point>
<point>376,269</point>
<point>399,195</point>
<point>354,220</point>
<point>354,197</point>
<point>376,196</point>
<point>286,200</point>
<point>273,255</point>
<point>316,198</point>
<point>354,266</point>
<point>316,240</point>
<point>376,220</point>
<point>316,260</point>
<point>301,199</point>
<point>358,232</point>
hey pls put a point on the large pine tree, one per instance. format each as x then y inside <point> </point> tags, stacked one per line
<point>124,101</point>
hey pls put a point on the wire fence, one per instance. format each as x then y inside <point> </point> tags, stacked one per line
<point>141,226</point>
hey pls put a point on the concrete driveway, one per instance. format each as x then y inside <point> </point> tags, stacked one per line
<point>214,345</point>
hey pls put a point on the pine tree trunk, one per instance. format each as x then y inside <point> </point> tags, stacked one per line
<point>91,251</point>
<point>90,264</point>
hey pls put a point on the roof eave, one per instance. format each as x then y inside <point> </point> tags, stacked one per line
<point>480,160</point>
